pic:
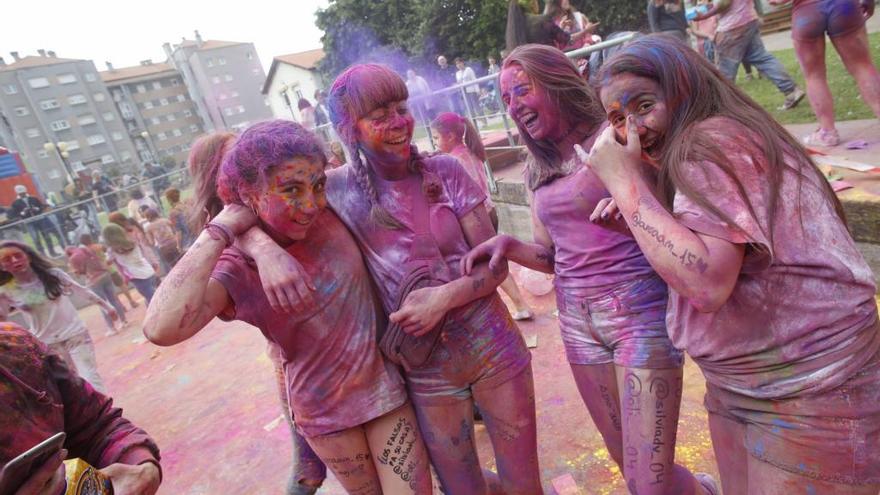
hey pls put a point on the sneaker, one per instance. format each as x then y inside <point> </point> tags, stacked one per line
<point>823,137</point>
<point>708,482</point>
<point>792,99</point>
<point>523,314</point>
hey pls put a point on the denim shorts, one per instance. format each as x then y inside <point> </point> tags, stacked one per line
<point>813,18</point>
<point>480,347</point>
<point>624,325</point>
<point>831,436</point>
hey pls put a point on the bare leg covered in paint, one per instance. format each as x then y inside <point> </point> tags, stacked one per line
<point>641,440</point>
<point>385,455</point>
<point>743,474</point>
<point>509,415</point>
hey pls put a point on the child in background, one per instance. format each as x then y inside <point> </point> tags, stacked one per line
<point>178,215</point>
<point>135,231</point>
<point>129,258</point>
<point>31,284</point>
<point>86,240</point>
<point>456,136</point>
<point>85,263</point>
<point>160,233</point>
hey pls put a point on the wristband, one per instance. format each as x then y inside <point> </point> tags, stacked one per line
<point>220,232</point>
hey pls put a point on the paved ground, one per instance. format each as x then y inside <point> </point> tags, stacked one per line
<point>211,405</point>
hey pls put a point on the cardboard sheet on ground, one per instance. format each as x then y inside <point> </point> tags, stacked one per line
<point>842,162</point>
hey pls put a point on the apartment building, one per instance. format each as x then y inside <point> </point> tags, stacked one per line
<point>57,113</point>
<point>224,79</point>
<point>159,115</point>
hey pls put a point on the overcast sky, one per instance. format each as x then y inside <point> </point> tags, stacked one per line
<point>127,32</point>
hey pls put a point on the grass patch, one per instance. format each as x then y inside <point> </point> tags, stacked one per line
<point>847,101</point>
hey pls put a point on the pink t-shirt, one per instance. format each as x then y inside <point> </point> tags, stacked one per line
<point>387,250</point>
<point>475,169</point>
<point>336,376</point>
<point>588,255</point>
<point>802,316</point>
<point>740,13</point>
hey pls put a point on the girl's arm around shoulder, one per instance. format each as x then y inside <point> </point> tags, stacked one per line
<point>189,298</point>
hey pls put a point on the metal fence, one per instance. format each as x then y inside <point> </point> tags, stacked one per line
<point>50,232</point>
<point>455,98</point>
<point>65,223</point>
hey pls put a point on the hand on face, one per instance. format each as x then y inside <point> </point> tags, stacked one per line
<point>611,160</point>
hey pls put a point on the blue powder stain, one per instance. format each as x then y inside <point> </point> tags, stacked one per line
<point>783,424</point>
<point>184,379</point>
<point>759,448</point>
<point>811,490</point>
<point>802,467</point>
<point>775,430</point>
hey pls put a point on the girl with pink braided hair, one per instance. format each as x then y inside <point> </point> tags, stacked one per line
<point>480,356</point>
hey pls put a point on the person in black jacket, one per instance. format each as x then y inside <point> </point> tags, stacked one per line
<point>41,229</point>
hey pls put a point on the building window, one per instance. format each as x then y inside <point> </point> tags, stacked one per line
<point>209,62</point>
<point>32,132</point>
<point>228,77</point>
<point>96,139</point>
<point>22,111</point>
<point>221,96</point>
<point>145,155</point>
<point>228,111</point>
<point>86,120</point>
<point>105,159</point>
<point>181,98</point>
<point>125,156</point>
<point>249,55</point>
<point>170,117</point>
<point>187,113</point>
<point>73,145</point>
<point>163,102</point>
<point>60,125</point>
<point>125,110</point>
<point>66,79</point>
<point>256,71</point>
<point>54,174</point>
<point>175,82</point>
<point>117,136</point>
<point>161,136</point>
<point>221,61</point>
<point>176,133</point>
<point>141,88</point>
<point>38,82</point>
<point>10,89</point>
<point>108,116</point>
<point>49,104</point>
<point>215,79</point>
<point>148,104</point>
<point>155,120</point>
<point>240,108</point>
<point>43,154</point>
<point>76,99</point>
<point>193,128</point>
<point>99,96</point>
<point>91,77</point>
<point>157,85</point>
<point>117,95</point>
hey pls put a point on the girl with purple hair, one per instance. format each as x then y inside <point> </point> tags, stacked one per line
<point>480,355</point>
<point>612,305</point>
<point>349,403</point>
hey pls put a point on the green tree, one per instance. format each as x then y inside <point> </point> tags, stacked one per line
<point>615,15</point>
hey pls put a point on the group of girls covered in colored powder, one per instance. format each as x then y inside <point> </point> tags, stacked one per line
<point>676,215</point>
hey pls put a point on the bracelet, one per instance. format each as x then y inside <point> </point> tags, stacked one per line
<point>220,232</point>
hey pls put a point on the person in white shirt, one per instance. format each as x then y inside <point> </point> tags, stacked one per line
<point>32,285</point>
<point>419,94</point>
<point>465,74</point>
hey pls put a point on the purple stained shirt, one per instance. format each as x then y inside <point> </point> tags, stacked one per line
<point>740,13</point>
<point>387,250</point>
<point>475,169</point>
<point>336,376</point>
<point>802,316</point>
<point>588,255</point>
